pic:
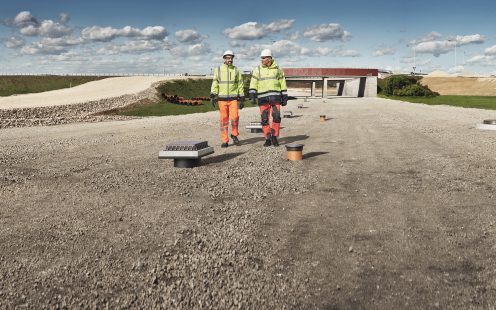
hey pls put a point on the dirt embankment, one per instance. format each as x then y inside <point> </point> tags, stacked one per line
<point>470,86</point>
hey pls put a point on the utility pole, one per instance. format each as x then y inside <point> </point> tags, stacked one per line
<point>454,40</point>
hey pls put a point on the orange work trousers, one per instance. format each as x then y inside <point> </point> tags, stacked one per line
<point>267,109</point>
<point>228,111</point>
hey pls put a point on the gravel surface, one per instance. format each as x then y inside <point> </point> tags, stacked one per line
<point>392,207</point>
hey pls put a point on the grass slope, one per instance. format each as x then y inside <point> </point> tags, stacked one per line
<point>13,85</point>
<point>184,88</point>
<point>478,102</point>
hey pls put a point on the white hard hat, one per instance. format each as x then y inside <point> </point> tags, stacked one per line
<point>228,52</point>
<point>266,53</point>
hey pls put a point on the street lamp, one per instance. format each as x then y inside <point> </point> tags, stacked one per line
<point>454,40</point>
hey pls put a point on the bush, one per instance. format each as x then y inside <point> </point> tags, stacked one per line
<point>380,86</point>
<point>403,85</point>
<point>396,82</point>
<point>415,90</point>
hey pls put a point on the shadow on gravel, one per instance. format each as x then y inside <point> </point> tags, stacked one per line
<point>252,140</point>
<point>313,154</point>
<point>286,140</point>
<point>219,158</point>
<point>282,140</point>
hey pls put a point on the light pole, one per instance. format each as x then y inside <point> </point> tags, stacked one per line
<point>414,60</point>
<point>454,40</point>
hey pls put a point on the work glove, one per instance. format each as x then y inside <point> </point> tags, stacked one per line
<point>241,103</point>
<point>253,98</point>
<point>284,101</point>
<point>213,100</point>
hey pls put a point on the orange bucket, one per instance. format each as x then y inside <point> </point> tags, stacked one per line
<point>295,151</point>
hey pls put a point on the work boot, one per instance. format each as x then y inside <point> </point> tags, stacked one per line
<point>268,142</point>
<point>274,141</point>
<point>235,140</point>
<point>224,145</point>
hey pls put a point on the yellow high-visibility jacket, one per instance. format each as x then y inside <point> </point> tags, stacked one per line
<point>227,83</point>
<point>268,84</point>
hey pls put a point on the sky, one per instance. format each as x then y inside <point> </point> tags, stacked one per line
<point>189,36</point>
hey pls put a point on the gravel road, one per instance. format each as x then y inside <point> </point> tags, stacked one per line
<point>392,207</point>
<point>91,91</point>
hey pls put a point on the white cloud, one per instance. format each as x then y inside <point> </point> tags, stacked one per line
<point>65,41</point>
<point>132,47</point>
<point>64,18</point>
<point>490,50</point>
<point>51,29</point>
<point>38,48</point>
<point>439,47</point>
<point>435,48</point>
<point>288,49</point>
<point>153,33</point>
<point>28,25</point>
<point>254,30</point>
<point>189,36</point>
<point>470,39</point>
<point>326,32</point>
<point>336,52</point>
<point>96,33</point>
<point>106,34</point>
<point>431,36</point>
<point>246,31</point>
<point>200,49</point>
<point>294,36</point>
<point>14,42</point>
<point>24,19</point>
<point>279,25</point>
<point>237,44</point>
<point>482,60</point>
<point>348,53</point>
<point>384,51</point>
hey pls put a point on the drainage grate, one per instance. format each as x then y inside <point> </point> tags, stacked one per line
<point>186,146</point>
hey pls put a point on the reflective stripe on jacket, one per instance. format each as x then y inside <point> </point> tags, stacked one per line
<point>227,83</point>
<point>268,84</point>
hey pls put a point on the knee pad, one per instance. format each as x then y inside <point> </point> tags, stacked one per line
<point>265,118</point>
<point>276,116</point>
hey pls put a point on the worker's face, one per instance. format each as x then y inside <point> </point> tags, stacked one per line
<point>266,61</point>
<point>228,60</point>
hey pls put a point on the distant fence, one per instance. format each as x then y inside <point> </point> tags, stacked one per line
<point>100,74</point>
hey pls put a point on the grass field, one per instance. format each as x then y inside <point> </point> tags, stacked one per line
<point>479,102</point>
<point>184,88</point>
<point>13,85</point>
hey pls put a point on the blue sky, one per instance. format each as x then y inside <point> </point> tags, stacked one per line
<point>151,36</point>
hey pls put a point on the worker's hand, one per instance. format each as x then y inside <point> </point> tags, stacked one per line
<point>213,100</point>
<point>253,98</point>
<point>284,101</point>
<point>241,103</point>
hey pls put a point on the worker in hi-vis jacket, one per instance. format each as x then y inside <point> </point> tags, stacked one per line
<point>228,93</point>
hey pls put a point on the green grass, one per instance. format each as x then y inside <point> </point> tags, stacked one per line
<point>479,102</point>
<point>16,84</point>
<point>187,88</point>
<point>183,88</point>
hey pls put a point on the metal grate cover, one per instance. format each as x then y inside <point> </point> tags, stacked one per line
<point>186,146</point>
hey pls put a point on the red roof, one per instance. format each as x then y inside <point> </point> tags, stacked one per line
<point>291,72</point>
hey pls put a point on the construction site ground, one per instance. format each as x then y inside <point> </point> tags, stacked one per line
<point>392,207</point>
